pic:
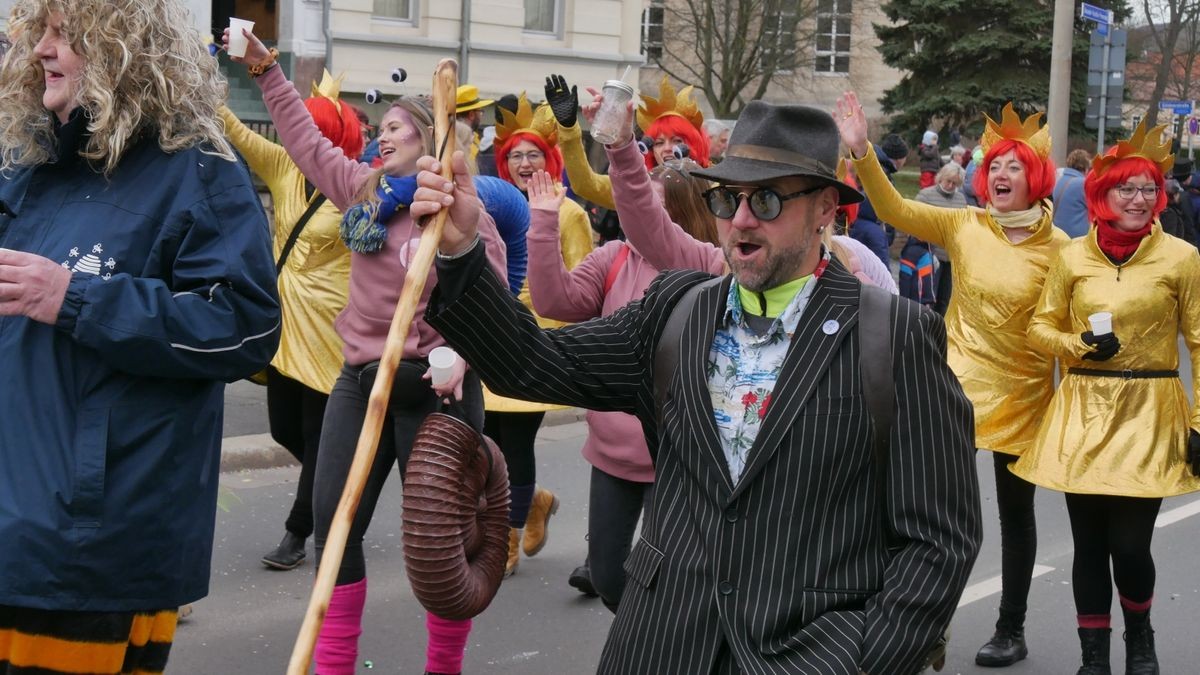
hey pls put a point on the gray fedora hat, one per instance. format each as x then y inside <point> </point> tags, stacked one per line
<point>775,141</point>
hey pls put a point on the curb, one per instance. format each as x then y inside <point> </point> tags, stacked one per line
<point>260,451</point>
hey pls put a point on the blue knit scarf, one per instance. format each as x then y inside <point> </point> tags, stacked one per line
<point>364,227</point>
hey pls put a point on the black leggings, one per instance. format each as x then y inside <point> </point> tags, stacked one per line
<point>515,433</point>
<point>614,506</point>
<point>1018,535</point>
<point>295,412</point>
<point>412,400</point>
<point>1107,527</point>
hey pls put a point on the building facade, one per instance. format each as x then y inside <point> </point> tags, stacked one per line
<point>831,47</point>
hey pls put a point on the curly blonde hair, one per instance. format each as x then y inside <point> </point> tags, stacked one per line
<point>146,71</point>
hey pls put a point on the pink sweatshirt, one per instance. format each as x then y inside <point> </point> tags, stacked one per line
<point>616,443</point>
<point>376,279</point>
<point>648,227</point>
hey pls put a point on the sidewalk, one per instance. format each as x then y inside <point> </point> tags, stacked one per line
<point>259,451</point>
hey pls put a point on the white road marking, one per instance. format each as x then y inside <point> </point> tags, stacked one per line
<point>1177,514</point>
<point>983,589</point>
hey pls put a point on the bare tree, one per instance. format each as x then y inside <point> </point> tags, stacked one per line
<point>733,50</point>
<point>1168,20</point>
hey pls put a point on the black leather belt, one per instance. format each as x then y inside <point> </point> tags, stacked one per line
<point>1124,374</point>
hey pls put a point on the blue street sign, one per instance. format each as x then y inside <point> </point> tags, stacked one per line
<point>1093,13</point>
<point>1101,29</point>
<point>1193,126</point>
<point>1176,107</point>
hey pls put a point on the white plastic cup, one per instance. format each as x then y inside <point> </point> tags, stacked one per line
<point>610,118</point>
<point>1101,323</point>
<point>441,365</point>
<point>237,41</point>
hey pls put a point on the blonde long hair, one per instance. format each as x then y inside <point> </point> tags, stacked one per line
<point>146,71</point>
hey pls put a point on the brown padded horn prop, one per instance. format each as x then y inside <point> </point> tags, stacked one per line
<point>455,518</point>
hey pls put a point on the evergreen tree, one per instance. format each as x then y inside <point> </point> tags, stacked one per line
<point>964,58</point>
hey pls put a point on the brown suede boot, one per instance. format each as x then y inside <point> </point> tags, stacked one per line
<point>544,505</point>
<point>514,552</point>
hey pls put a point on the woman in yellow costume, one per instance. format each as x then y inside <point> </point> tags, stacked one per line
<point>525,144</point>
<point>1002,252</point>
<point>671,122</point>
<point>1119,435</point>
<point>313,285</point>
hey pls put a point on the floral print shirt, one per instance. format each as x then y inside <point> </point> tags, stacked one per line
<point>742,369</point>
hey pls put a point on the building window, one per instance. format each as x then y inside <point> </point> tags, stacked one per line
<point>833,36</point>
<point>652,30</point>
<point>398,10</point>
<point>779,40</point>
<point>543,16</point>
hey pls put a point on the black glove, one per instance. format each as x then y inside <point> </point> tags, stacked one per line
<point>1193,453</point>
<point>564,102</point>
<point>1104,346</point>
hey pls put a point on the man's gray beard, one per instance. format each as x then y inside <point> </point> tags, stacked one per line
<point>781,266</point>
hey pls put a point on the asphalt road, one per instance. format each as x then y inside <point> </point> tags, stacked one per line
<point>537,624</point>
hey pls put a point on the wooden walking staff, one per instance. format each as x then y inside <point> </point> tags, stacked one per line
<point>445,84</point>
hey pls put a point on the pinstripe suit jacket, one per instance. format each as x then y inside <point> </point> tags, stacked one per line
<point>785,571</point>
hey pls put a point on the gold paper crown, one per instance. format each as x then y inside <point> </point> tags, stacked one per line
<point>1011,127</point>
<point>1138,145</point>
<point>669,103</point>
<point>540,122</point>
<point>330,87</point>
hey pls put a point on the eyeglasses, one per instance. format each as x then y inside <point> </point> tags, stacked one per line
<point>765,203</point>
<point>1149,192</point>
<point>532,156</point>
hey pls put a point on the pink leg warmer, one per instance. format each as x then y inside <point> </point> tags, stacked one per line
<point>447,642</point>
<point>337,643</point>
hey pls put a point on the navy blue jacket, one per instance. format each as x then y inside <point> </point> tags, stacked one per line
<point>110,421</point>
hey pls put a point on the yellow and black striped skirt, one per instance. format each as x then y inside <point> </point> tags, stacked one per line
<point>52,642</point>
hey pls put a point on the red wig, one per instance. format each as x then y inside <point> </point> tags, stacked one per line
<point>1095,188</point>
<point>337,123</point>
<point>675,125</point>
<point>1039,173</point>
<point>554,160</point>
<point>849,210</point>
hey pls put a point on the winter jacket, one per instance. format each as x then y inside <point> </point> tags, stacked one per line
<point>870,233</point>
<point>110,430</point>
<point>1070,210</point>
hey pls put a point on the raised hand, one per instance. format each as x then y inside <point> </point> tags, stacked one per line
<point>563,102</point>
<point>543,193</point>
<point>589,114</point>
<point>435,193</point>
<point>589,110</point>
<point>256,51</point>
<point>852,123</point>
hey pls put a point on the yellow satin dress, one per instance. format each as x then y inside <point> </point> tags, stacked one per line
<point>315,281</point>
<point>592,186</point>
<point>996,286</point>
<point>575,236</point>
<point>1110,435</point>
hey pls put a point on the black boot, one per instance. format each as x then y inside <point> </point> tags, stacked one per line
<point>581,580</point>
<point>1139,645</point>
<point>1007,645</point>
<point>1093,642</point>
<point>287,555</point>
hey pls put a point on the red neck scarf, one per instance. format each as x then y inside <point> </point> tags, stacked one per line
<point>1118,244</point>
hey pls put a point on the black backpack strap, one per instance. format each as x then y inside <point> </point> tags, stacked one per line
<point>878,379</point>
<point>666,352</point>
<point>316,203</point>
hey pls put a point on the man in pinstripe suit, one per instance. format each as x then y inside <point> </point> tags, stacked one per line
<point>769,547</point>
